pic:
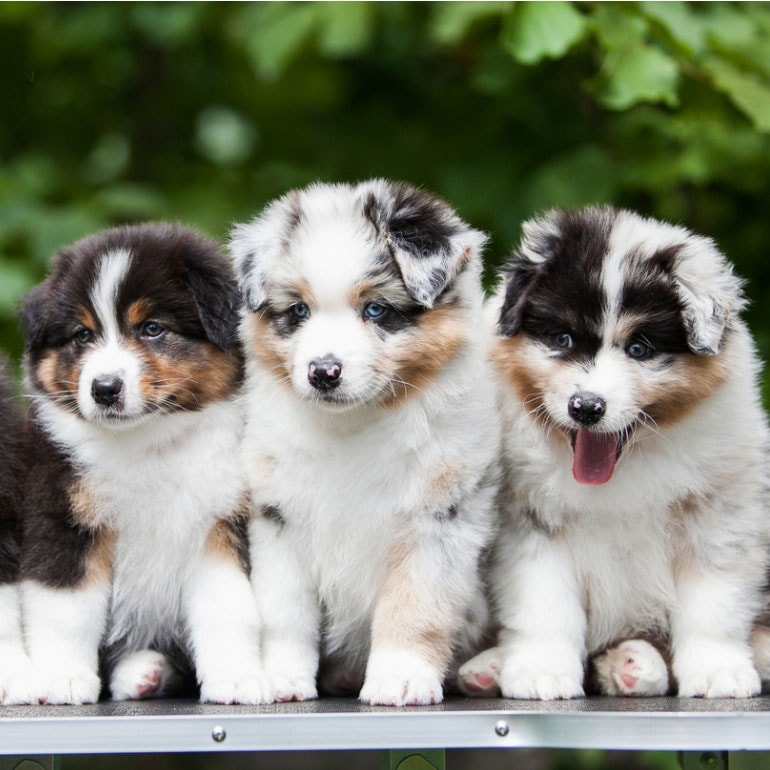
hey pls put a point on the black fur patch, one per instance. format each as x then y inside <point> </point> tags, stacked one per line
<point>239,524</point>
<point>56,548</point>
<point>285,322</point>
<point>651,294</point>
<point>273,512</point>
<point>12,472</point>
<point>562,293</point>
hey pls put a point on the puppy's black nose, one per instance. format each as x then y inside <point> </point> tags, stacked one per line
<point>586,408</point>
<point>324,373</point>
<point>106,389</point>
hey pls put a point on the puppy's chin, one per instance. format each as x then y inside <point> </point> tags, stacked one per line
<point>115,419</point>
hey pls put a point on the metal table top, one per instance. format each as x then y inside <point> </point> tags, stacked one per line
<point>186,726</point>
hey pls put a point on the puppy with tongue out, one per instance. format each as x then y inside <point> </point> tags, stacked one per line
<point>595,453</point>
<point>634,545</point>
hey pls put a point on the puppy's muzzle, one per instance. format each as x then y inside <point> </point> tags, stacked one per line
<point>325,373</point>
<point>586,408</point>
<point>106,389</point>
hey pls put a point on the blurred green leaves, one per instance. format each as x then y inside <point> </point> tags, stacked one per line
<point>202,112</point>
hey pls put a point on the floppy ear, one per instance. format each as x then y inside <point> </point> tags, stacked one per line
<point>710,292</point>
<point>537,247</point>
<point>218,300</point>
<point>33,316</point>
<point>213,286</point>
<point>255,245</point>
<point>429,242</point>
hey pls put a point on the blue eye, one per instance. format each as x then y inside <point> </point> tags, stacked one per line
<point>152,329</point>
<point>639,350</point>
<point>375,310</point>
<point>564,341</point>
<point>301,310</point>
<point>83,336</point>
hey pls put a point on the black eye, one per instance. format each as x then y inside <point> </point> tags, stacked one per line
<point>300,309</point>
<point>374,310</point>
<point>563,340</point>
<point>639,350</point>
<point>82,336</point>
<point>152,329</point>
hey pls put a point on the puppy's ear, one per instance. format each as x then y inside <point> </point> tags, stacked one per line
<point>429,242</point>
<point>255,246</point>
<point>213,287</point>
<point>537,247</point>
<point>709,290</point>
<point>33,316</point>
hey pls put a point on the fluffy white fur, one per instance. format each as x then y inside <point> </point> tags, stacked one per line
<point>163,586</point>
<point>613,561</point>
<point>352,481</point>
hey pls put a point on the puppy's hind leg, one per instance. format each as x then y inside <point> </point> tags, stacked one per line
<point>480,676</point>
<point>144,674</point>
<point>633,667</point>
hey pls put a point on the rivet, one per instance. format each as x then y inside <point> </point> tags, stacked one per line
<point>502,729</point>
<point>709,760</point>
<point>218,734</point>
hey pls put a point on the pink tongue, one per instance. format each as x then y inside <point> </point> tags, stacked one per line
<point>595,456</point>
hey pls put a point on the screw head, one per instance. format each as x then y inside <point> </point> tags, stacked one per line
<point>218,734</point>
<point>502,729</point>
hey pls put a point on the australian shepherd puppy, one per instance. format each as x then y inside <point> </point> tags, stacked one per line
<point>16,679</point>
<point>136,506</point>
<point>636,526</point>
<point>371,440</point>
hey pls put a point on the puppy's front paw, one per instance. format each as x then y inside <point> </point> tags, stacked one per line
<point>400,679</point>
<point>480,676</point>
<point>708,668</point>
<point>634,667</point>
<point>143,674</point>
<point>721,681</point>
<point>19,682</point>
<point>71,688</point>
<point>542,674</point>
<point>251,689</point>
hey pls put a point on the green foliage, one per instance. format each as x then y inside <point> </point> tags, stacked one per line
<point>203,112</point>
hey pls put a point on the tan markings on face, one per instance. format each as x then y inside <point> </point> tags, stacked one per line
<point>626,327</point>
<point>509,356</point>
<point>689,381</point>
<point>85,318</point>
<point>187,381</point>
<point>294,290</point>
<point>385,290</point>
<point>404,619</point>
<point>432,344</point>
<point>226,539</point>
<point>269,348</point>
<point>98,566</point>
<point>138,312</point>
<point>84,505</point>
<point>58,374</point>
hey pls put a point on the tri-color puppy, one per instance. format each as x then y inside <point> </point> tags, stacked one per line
<point>16,676</point>
<point>635,443</point>
<point>135,540</point>
<point>371,441</point>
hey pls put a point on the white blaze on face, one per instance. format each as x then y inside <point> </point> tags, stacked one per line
<point>332,258</point>
<point>108,356</point>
